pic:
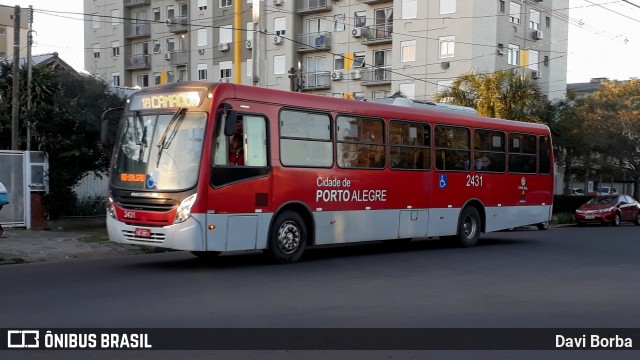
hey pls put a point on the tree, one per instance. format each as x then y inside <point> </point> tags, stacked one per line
<point>612,115</point>
<point>499,95</point>
<point>64,122</point>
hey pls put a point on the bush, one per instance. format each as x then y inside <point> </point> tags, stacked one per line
<point>565,218</point>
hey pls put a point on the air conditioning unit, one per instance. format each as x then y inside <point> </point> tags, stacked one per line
<point>538,34</point>
<point>445,64</point>
<point>201,51</point>
<point>167,56</point>
<point>168,21</point>
<point>336,75</point>
<point>535,74</point>
<point>500,51</point>
<point>356,75</point>
<point>223,47</point>
<point>278,2</point>
<point>357,32</point>
<point>277,40</point>
<point>515,71</point>
<point>248,44</point>
<point>224,80</point>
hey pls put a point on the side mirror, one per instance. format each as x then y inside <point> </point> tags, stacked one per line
<point>230,120</point>
<point>110,121</point>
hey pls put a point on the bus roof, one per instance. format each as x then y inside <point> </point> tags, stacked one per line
<point>388,108</point>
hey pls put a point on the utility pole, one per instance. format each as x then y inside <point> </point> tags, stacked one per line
<point>29,77</point>
<point>15,100</point>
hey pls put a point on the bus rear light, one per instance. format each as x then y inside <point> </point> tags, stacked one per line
<point>184,210</point>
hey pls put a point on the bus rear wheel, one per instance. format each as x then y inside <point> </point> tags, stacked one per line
<point>288,237</point>
<point>469,227</point>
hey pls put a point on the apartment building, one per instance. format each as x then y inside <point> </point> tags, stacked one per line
<point>7,26</point>
<point>346,48</point>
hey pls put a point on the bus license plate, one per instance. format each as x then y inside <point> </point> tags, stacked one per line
<point>144,233</point>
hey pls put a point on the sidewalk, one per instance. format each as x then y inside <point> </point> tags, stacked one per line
<point>68,239</point>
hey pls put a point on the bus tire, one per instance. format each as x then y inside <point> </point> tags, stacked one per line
<point>543,225</point>
<point>288,237</point>
<point>469,227</point>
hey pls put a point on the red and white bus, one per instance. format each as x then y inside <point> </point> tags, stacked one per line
<point>313,170</point>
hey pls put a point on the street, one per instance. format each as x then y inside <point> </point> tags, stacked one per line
<point>565,277</point>
<point>561,278</point>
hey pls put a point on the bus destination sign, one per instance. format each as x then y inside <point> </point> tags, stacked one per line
<point>168,100</point>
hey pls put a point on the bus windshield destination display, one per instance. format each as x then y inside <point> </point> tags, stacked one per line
<point>172,100</point>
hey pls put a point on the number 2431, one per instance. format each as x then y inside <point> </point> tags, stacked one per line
<point>474,180</point>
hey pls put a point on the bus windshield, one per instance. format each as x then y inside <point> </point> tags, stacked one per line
<point>159,151</point>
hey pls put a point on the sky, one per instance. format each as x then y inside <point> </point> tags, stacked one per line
<point>604,35</point>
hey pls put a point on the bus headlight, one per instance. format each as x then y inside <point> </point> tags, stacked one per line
<point>184,210</point>
<point>111,211</point>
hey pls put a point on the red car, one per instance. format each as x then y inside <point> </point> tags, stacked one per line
<point>609,209</point>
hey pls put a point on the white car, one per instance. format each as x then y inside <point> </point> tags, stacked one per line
<point>607,190</point>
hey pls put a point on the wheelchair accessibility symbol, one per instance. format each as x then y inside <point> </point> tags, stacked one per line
<point>443,181</point>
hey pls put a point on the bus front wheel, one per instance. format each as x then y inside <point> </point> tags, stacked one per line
<point>288,237</point>
<point>469,227</point>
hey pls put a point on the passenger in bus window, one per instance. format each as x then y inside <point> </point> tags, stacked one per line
<point>236,150</point>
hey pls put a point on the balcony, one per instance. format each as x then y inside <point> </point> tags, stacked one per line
<point>304,7</point>
<point>178,24</point>
<point>370,2</point>
<point>378,34</point>
<point>136,30</point>
<point>319,80</point>
<point>179,57</point>
<point>134,3</point>
<point>137,62</point>
<point>319,41</point>
<point>376,76</point>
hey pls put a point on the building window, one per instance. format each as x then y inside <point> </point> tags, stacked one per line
<point>514,13</point>
<point>156,14</point>
<point>202,5</point>
<point>96,51</point>
<point>447,7</point>
<point>279,64</point>
<point>514,55</point>
<point>115,17</point>
<point>157,78</point>
<point>280,26</point>
<point>226,3</point>
<point>380,94</point>
<point>547,21</point>
<point>447,46</point>
<point>408,51</point>
<point>115,48</point>
<point>225,69</point>
<point>409,9</point>
<point>360,19</point>
<point>545,62</point>
<point>171,12</point>
<point>171,44</point>
<point>115,79</point>
<point>338,62</point>
<point>409,90</point>
<point>358,60</point>
<point>171,77</point>
<point>202,37</point>
<point>443,85</point>
<point>534,19</point>
<point>338,22</point>
<point>95,21</point>
<point>202,71</point>
<point>156,46</point>
<point>142,80</point>
<point>501,6</point>
<point>226,34</point>
<point>533,59</point>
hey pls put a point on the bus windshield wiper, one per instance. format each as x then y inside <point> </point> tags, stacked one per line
<point>167,137</point>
